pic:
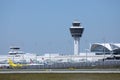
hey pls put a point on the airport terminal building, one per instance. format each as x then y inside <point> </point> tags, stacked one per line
<point>98,51</point>
<point>105,48</point>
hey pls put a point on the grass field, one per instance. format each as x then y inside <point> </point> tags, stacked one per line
<point>60,76</point>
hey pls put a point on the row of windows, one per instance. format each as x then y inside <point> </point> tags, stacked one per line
<point>99,48</point>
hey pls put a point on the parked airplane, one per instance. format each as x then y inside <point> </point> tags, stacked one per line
<point>4,66</point>
<point>3,61</point>
<point>32,63</point>
<point>13,65</point>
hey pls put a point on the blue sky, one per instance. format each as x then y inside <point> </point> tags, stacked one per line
<point>42,26</point>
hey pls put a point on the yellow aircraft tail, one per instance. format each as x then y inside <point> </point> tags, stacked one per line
<point>10,62</point>
<point>13,65</point>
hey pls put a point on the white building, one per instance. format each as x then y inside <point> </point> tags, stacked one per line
<point>98,51</point>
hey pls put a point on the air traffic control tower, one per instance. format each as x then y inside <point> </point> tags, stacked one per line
<point>76,31</point>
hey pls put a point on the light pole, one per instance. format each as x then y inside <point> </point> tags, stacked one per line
<point>86,50</point>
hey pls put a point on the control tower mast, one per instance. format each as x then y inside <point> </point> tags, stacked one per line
<point>76,32</point>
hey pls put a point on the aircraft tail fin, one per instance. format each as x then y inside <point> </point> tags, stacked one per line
<point>10,61</point>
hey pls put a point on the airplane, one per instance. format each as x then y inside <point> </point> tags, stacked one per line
<point>3,61</point>
<point>2,66</point>
<point>33,63</point>
<point>13,65</point>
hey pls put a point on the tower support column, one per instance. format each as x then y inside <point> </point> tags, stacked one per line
<point>76,45</point>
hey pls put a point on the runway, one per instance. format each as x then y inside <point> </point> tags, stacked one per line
<point>61,71</point>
